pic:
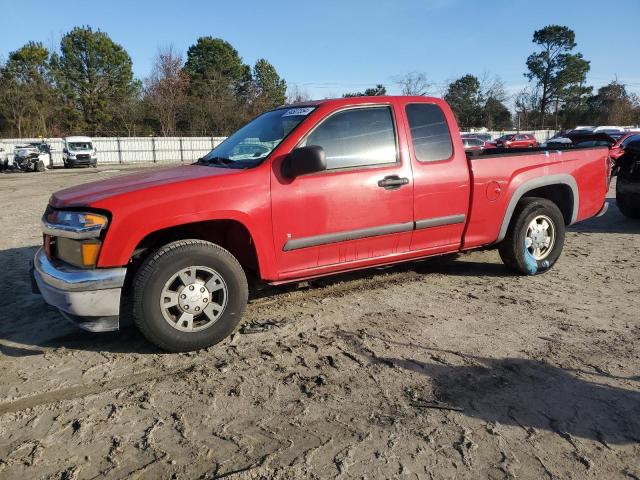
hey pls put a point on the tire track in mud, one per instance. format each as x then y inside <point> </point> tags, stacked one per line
<point>79,391</point>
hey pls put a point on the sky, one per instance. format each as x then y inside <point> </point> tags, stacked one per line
<point>330,47</point>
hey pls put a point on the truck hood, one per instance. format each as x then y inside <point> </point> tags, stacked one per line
<point>88,193</point>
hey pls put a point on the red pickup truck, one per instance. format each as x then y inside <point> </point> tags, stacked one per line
<point>300,192</point>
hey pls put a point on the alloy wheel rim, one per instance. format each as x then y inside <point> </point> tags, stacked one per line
<point>194,298</point>
<point>540,237</point>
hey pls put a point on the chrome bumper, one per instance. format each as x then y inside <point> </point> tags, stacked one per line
<point>89,298</point>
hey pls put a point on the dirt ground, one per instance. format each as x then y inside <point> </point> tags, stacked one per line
<point>447,368</point>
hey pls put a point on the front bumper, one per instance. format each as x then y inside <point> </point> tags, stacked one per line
<point>89,298</point>
<point>74,162</point>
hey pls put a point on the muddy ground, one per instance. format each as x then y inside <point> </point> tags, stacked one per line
<point>448,368</point>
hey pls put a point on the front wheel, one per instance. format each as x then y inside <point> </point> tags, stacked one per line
<point>189,295</point>
<point>535,237</point>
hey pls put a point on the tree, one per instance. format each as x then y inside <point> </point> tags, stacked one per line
<point>166,90</point>
<point>27,97</point>
<point>219,87</point>
<point>376,91</point>
<point>213,58</point>
<point>526,103</point>
<point>613,105</point>
<point>497,116</point>
<point>554,68</point>
<point>270,89</point>
<point>414,83</point>
<point>95,75</point>
<point>465,99</point>
<point>296,94</point>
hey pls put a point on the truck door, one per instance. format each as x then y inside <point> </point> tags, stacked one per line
<point>441,176</point>
<point>360,208</point>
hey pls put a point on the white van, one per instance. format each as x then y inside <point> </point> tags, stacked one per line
<point>79,151</point>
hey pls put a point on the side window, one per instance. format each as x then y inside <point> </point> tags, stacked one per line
<point>357,137</point>
<point>429,132</point>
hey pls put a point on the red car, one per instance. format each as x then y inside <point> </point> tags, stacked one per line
<point>517,140</point>
<point>300,192</point>
<point>617,149</point>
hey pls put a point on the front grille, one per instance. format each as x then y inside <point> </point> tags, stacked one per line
<point>83,156</point>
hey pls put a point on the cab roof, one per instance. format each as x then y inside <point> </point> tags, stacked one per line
<point>361,99</point>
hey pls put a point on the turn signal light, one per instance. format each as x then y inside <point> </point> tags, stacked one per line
<point>90,253</point>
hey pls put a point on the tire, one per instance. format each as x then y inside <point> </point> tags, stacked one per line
<point>39,166</point>
<point>157,279</point>
<point>625,208</point>
<point>66,165</point>
<point>513,249</point>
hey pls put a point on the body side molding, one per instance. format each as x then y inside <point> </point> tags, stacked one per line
<point>440,221</point>
<point>327,238</point>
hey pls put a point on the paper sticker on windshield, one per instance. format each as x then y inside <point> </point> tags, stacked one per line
<point>298,112</point>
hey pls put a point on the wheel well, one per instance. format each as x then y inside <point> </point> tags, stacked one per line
<point>229,234</point>
<point>559,194</point>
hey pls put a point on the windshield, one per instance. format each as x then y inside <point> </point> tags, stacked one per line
<point>506,137</point>
<point>80,146</point>
<point>256,140</point>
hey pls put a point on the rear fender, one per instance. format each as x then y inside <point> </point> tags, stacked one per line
<point>529,185</point>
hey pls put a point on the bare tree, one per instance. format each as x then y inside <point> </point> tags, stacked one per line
<point>297,94</point>
<point>492,87</point>
<point>414,83</point>
<point>166,89</point>
<point>526,104</point>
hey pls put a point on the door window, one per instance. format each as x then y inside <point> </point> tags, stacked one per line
<point>356,137</point>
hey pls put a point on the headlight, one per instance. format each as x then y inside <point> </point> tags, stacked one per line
<point>75,236</point>
<point>71,155</point>
<point>74,224</point>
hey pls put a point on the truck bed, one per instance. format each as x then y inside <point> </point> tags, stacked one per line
<point>493,187</point>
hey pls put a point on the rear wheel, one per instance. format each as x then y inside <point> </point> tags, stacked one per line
<point>189,295</point>
<point>535,237</point>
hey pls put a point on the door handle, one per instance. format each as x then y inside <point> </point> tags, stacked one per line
<point>392,182</point>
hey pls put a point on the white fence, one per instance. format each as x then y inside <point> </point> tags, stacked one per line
<point>131,149</point>
<point>113,150</point>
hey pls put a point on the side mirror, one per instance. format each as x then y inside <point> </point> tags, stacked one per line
<point>304,160</point>
<point>64,150</point>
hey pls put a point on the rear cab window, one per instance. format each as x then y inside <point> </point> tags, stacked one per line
<point>429,132</point>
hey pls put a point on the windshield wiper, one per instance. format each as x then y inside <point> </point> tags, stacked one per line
<point>221,161</point>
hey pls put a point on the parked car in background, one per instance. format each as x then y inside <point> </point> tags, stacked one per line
<point>473,143</point>
<point>4,159</point>
<point>79,151</point>
<point>333,186</point>
<point>32,157</point>
<point>617,149</point>
<point>517,140</point>
<point>559,140</point>
<point>486,137</point>
<point>628,183</point>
